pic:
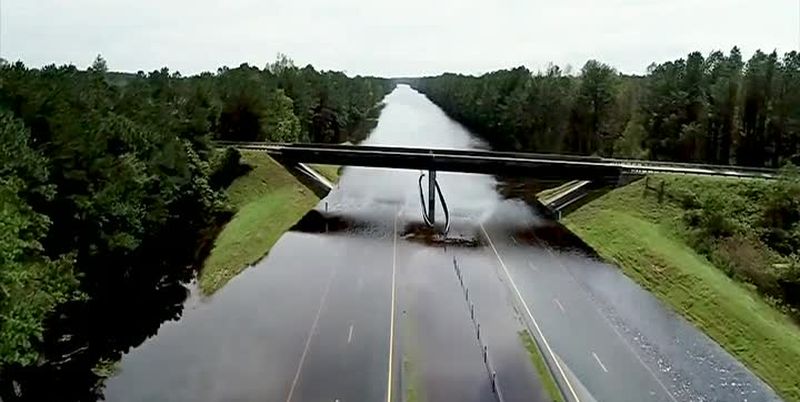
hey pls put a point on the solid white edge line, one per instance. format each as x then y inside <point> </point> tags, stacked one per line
<point>391,324</point>
<point>530,315</point>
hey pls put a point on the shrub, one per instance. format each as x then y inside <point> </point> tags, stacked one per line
<point>226,165</point>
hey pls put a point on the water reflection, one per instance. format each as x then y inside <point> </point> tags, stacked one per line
<point>334,269</point>
<point>86,339</point>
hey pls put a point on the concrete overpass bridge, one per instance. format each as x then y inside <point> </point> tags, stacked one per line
<point>543,166</point>
<point>546,166</point>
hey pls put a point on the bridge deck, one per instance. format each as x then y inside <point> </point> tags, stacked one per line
<point>489,162</point>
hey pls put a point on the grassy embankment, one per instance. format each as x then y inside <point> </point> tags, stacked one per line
<point>541,366</point>
<point>650,242</point>
<point>269,200</point>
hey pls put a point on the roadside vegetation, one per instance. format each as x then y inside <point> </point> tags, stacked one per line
<point>721,252</point>
<point>268,201</point>
<point>545,375</point>
<point>716,108</point>
<point>725,253</point>
<point>411,391</point>
<point>410,377</point>
<point>111,196</point>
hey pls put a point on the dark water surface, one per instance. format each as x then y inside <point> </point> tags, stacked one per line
<point>312,321</point>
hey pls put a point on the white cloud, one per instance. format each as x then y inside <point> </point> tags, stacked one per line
<point>390,38</point>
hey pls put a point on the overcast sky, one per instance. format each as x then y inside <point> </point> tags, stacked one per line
<point>388,38</point>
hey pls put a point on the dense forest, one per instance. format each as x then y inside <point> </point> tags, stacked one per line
<point>714,109</point>
<point>111,193</point>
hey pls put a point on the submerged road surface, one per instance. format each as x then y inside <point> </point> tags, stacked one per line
<point>371,310</point>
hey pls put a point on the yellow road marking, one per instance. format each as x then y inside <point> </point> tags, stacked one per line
<point>391,324</point>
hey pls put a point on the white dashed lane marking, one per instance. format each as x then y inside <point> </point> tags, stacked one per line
<point>602,366</point>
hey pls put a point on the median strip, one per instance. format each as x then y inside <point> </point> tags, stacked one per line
<point>552,358</point>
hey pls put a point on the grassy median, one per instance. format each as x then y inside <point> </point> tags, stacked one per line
<point>541,366</point>
<point>268,200</point>
<point>646,239</point>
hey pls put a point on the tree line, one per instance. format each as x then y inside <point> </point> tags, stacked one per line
<point>709,109</point>
<point>111,194</point>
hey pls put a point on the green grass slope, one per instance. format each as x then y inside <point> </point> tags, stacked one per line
<point>269,200</point>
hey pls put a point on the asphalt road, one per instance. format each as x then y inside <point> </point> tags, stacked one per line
<point>366,314</point>
<point>577,331</point>
<point>439,332</point>
<point>347,345</point>
<point>313,325</point>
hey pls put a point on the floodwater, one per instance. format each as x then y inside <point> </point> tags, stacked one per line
<point>358,304</point>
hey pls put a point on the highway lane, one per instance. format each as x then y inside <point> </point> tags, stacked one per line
<point>693,366</point>
<point>347,354</point>
<point>578,333</point>
<point>243,343</point>
<point>314,325</point>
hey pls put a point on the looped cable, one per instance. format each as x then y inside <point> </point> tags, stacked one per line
<point>425,216</point>
<point>422,201</point>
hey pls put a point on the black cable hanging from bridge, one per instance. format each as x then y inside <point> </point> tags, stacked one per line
<point>425,217</point>
<point>444,208</point>
<point>422,202</point>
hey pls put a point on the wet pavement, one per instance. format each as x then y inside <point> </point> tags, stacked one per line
<point>313,321</point>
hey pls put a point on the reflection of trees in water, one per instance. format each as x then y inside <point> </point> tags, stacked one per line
<point>85,339</point>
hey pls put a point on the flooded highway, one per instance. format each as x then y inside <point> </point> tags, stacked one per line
<point>369,309</point>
